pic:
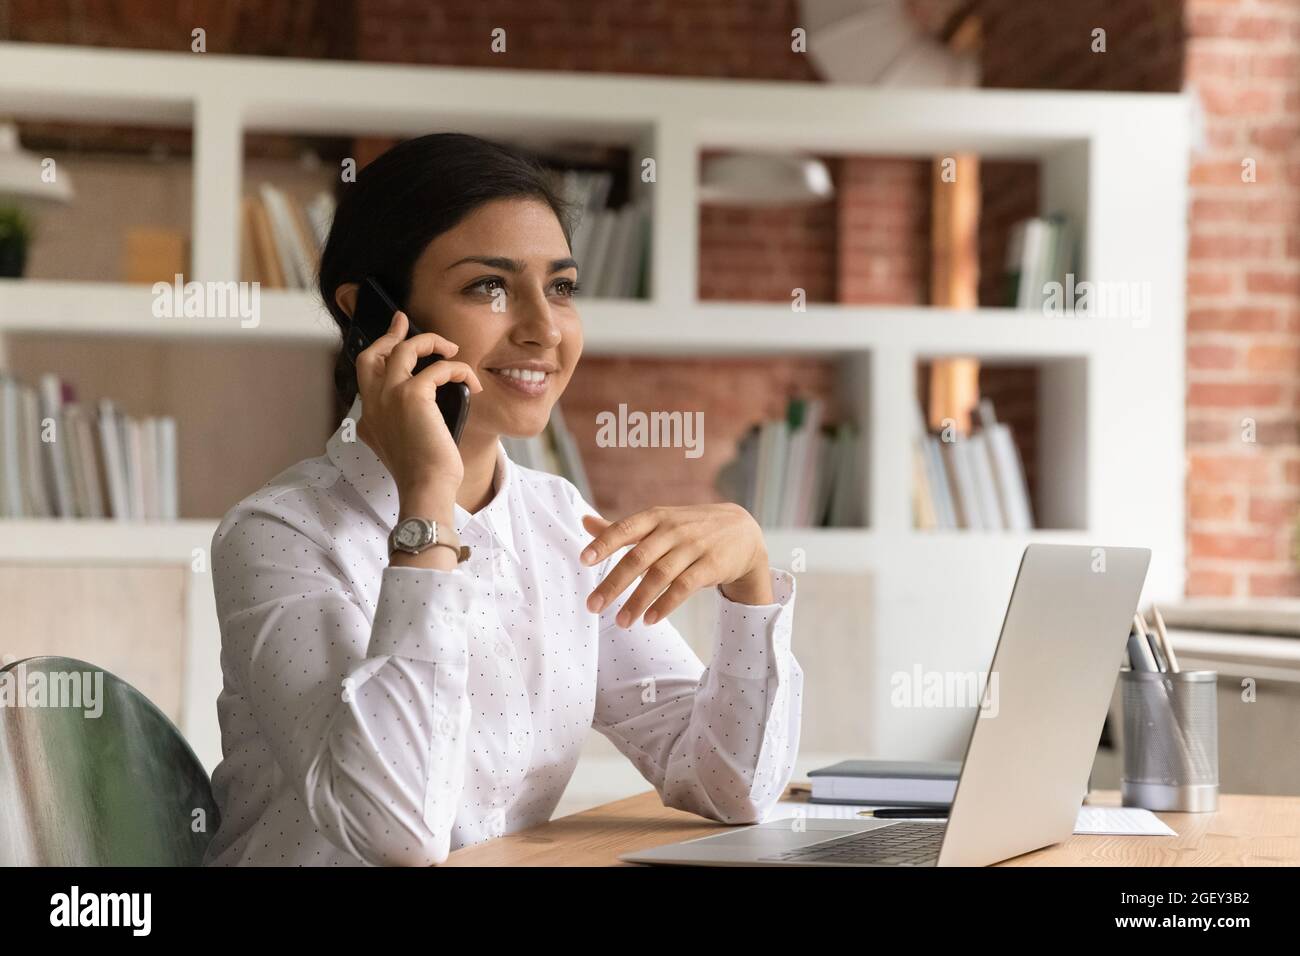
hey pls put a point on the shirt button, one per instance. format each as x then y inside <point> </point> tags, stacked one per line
<point>447,727</point>
<point>501,650</point>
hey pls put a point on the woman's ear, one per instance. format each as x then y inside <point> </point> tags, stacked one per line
<point>345,296</point>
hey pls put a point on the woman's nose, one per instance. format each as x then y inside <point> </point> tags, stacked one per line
<point>534,324</point>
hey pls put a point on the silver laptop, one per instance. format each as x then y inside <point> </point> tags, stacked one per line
<point>1028,759</point>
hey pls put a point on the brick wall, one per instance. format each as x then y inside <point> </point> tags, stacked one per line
<point>1243,299</point>
<point>1243,288</point>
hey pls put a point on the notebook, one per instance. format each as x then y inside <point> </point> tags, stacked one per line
<point>910,783</point>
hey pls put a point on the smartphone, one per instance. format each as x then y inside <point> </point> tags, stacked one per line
<point>370,320</point>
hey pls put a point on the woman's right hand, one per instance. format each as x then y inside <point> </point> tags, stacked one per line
<point>402,421</point>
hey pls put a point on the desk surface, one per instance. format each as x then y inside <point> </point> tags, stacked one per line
<point>1244,831</point>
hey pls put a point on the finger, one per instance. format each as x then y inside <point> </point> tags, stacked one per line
<point>683,586</point>
<point>657,578</point>
<point>440,373</point>
<point>595,524</point>
<point>372,359</point>
<point>632,565</point>
<point>624,531</point>
<point>401,360</point>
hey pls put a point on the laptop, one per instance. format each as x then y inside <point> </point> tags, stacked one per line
<point>1030,752</point>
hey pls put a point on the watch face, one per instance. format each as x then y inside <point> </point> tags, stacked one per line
<point>409,534</point>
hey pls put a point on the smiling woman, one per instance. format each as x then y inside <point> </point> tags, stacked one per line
<point>418,633</point>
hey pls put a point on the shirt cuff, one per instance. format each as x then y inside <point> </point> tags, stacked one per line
<point>423,614</point>
<point>754,639</point>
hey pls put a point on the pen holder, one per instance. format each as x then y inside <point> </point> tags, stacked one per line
<point>1171,740</point>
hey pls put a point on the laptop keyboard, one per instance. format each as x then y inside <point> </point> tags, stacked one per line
<point>899,844</point>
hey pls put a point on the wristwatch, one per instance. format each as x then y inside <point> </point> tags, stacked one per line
<point>413,535</point>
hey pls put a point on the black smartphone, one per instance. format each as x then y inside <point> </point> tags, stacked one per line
<point>371,319</point>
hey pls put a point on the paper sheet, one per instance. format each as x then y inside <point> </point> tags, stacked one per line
<point>1124,821</point>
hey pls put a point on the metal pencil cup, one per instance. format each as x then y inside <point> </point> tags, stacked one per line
<point>1171,740</point>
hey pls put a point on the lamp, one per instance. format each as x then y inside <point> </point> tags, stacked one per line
<point>20,171</point>
<point>764,179</point>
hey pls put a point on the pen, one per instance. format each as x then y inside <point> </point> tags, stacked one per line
<point>903,813</point>
<point>1151,641</point>
<point>1164,639</point>
<point>1139,651</point>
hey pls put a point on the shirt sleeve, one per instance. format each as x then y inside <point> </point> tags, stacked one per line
<point>368,718</point>
<point>720,740</point>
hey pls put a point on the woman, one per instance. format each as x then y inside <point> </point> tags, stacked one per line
<point>386,707</point>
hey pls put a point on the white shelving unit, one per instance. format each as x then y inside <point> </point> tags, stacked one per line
<point>1111,402</point>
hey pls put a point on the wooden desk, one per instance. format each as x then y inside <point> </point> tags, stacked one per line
<point>1245,831</point>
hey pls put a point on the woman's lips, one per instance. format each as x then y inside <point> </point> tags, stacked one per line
<point>529,382</point>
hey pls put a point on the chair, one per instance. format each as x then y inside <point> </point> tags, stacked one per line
<point>93,774</point>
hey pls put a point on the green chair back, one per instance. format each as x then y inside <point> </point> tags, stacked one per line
<point>93,774</point>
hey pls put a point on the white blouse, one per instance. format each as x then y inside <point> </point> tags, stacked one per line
<point>388,715</point>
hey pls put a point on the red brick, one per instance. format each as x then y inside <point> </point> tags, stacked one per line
<point>1241,319</point>
<point>1274,283</point>
<point>1234,547</point>
<point>1204,432</point>
<point>1208,283</point>
<point>1211,356</point>
<point>1211,505</point>
<point>1209,584</point>
<point>1275,585</point>
<point>1228,469</point>
<point>1236,395</point>
<point>1273,358</point>
<point>1232,247</point>
<point>1272,511</point>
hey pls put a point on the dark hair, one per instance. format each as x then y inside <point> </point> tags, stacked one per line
<point>406,198</point>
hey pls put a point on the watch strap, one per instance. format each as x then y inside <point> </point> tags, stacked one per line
<point>437,534</point>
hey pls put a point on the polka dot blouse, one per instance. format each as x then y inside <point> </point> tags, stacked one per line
<point>388,715</point>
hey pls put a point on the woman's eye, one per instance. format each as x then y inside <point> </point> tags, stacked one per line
<point>488,285</point>
<point>567,287</point>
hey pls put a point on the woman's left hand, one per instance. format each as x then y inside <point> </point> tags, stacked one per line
<point>677,551</point>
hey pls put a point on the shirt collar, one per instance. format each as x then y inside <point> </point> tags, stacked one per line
<point>372,480</point>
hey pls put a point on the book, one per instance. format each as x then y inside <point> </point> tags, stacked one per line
<point>940,485</point>
<point>169,508</point>
<point>986,489</point>
<point>268,259</point>
<point>88,459</point>
<point>808,460</point>
<point>57,479</point>
<point>1007,469</point>
<point>10,487</point>
<point>288,248</point>
<point>1039,250</point>
<point>796,471</point>
<point>924,514</point>
<point>592,271</point>
<point>114,467</point>
<point>36,491</point>
<point>962,484</point>
<point>907,783</point>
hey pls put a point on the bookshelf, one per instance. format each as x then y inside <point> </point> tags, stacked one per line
<point>1116,163</point>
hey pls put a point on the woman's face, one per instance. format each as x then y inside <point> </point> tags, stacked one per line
<point>500,285</point>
